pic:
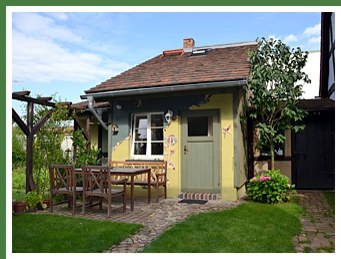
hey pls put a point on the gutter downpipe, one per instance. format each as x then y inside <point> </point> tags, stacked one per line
<point>165,89</point>
<point>90,99</point>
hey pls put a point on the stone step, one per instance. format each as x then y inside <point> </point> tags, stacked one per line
<point>199,196</point>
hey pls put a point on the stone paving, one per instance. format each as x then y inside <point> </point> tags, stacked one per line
<point>317,235</point>
<point>318,224</point>
<point>155,218</point>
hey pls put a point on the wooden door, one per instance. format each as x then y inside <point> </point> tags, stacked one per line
<point>200,152</point>
<point>314,152</point>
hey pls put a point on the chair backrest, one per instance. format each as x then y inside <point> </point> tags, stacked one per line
<point>157,167</point>
<point>62,177</point>
<point>96,179</point>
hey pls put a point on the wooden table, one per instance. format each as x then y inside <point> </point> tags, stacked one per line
<point>129,172</point>
<point>132,172</point>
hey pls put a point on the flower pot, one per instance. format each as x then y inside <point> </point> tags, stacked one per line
<point>19,208</point>
<point>47,202</point>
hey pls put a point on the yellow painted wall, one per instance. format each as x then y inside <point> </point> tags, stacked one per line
<point>224,102</point>
<point>172,150</point>
<point>94,136</point>
<point>121,151</point>
<point>172,153</point>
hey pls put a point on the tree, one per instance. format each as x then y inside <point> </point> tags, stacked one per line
<point>47,144</point>
<point>274,88</point>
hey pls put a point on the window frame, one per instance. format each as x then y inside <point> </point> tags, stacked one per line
<point>148,155</point>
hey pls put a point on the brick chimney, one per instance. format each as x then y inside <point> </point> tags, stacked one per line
<point>188,44</point>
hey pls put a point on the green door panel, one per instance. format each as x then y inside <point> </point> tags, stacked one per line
<point>200,133</point>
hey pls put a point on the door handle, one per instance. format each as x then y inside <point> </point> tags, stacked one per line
<point>185,149</point>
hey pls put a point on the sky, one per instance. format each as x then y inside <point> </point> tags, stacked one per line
<point>62,54</point>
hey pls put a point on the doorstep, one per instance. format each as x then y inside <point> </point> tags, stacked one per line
<point>199,196</point>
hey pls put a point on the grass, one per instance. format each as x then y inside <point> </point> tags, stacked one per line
<point>330,196</point>
<point>35,233</point>
<point>249,228</point>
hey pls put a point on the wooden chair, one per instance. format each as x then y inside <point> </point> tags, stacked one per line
<point>63,181</point>
<point>97,183</point>
<point>158,174</point>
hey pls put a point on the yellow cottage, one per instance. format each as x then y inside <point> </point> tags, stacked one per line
<point>182,106</point>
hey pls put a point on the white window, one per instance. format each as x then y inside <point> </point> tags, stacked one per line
<point>147,136</point>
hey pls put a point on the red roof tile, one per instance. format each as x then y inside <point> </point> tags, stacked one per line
<point>84,105</point>
<point>176,67</point>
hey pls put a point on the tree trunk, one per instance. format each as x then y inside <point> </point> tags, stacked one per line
<point>272,152</point>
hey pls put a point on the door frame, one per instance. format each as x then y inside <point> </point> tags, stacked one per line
<point>215,113</point>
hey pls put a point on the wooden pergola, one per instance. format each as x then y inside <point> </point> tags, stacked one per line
<point>30,129</point>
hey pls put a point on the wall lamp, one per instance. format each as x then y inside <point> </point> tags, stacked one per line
<point>168,116</point>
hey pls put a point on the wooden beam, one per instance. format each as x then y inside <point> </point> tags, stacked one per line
<point>20,123</point>
<point>33,100</point>
<point>21,93</point>
<point>88,132</point>
<point>41,122</point>
<point>78,122</point>
<point>44,98</point>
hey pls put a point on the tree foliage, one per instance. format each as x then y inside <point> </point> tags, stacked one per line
<point>18,147</point>
<point>85,154</point>
<point>274,88</point>
<point>47,144</point>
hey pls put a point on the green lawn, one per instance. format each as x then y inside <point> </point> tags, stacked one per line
<point>330,196</point>
<point>249,228</point>
<point>34,233</point>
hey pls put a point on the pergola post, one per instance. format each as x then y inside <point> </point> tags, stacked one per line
<point>29,129</point>
<point>30,186</point>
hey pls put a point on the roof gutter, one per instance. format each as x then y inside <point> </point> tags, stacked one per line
<point>165,89</point>
<point>93,111</point>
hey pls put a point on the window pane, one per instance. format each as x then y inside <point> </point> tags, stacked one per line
<point>157,134</point>
<point>140,148</point>
<point>141,128</point>
<point>141,122</point>
<point>157,148</point>
<point>141,134</point>
<point>157,120</point>
<point>200,126</point>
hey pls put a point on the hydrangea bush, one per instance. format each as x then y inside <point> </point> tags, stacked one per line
<point>270,187</point>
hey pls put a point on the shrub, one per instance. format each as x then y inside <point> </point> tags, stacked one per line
<point>270,187</point>
<point>19,178</point>
<point>32,199</point>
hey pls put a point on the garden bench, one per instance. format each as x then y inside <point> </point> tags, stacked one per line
<point>158,174</point>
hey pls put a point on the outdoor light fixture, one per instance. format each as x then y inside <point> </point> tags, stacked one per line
<point>168,116</point>
<point>118,106</point>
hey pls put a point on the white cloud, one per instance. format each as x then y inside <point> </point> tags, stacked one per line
<point>290,38</point>
<point>44,51</point>
<point>39,26</point>
<point>313,40</point>
<point>39,60</point>
<point>308,39</point>
<point>313,31</point>
<point>59,16</point>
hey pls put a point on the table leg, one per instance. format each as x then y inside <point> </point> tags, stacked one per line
<point>132,193</point>
<point>149,193</point>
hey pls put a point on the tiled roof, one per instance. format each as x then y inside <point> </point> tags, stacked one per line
<point>316,104</point>
<point>84,105</point>
<point>177,67</point>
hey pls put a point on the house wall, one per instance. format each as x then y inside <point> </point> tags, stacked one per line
<point>312,68</point>
<point>224,102</point>
<point>121,143</point>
